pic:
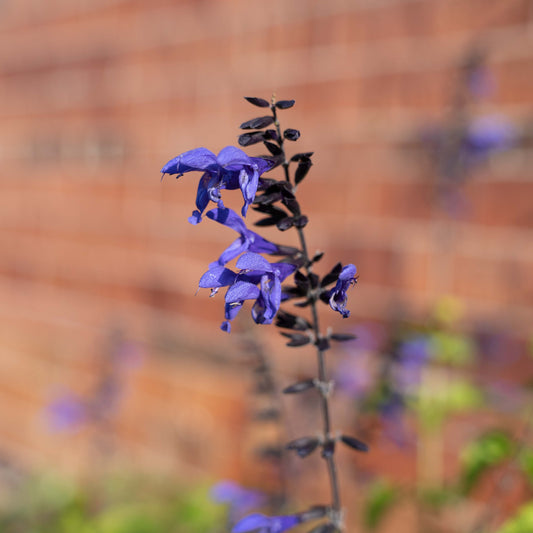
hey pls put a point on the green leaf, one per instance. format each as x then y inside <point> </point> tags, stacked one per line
<point>381,497</point>
<point>488,451</point>
<point>526,464</point>
<point>452,348</point>
<point>522,522</point>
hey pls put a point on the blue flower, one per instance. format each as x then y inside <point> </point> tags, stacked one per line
<point>248,240</point>
<point>230,169</point>
<point>413,354</point>
<point>254,270</point>
<point>487,134</point>
<point>338,296</point>
<point>239,499</point>
<point>259,523</point>
<point>67,412</point>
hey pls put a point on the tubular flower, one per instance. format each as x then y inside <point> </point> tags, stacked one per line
<point>248,240</point>
<point>257,280</point>
<point>259,523</point>
<point>230,169</point>
<point>338,296</point>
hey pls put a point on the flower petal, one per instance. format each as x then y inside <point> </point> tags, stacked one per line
<point>242,290</point>
<point>252,261</point>
<point>217,276</point>
<point>229,218</point>
<point>233,158</point>
<point>197,159</point>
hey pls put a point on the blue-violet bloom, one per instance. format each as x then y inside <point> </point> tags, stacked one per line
<point>67,412</point>
<point>254,270</point>
<point>248,240</point>
<point>259,523</point>
<point>337,295</point>
<point>239,499</point>
<point>230,169</point>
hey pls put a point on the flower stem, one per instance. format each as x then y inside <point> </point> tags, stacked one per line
<point>322,376</point>
<point>336,509</point>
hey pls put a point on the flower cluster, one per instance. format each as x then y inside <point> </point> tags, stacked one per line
<point>263,281</point>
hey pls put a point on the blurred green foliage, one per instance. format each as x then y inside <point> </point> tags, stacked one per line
<point>522,522</point>
<point>49,504</point>
<point>488,451</point>
<point>381,497</point>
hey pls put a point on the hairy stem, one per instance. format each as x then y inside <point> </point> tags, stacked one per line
<point>322,376</point>
<point>321,356</point>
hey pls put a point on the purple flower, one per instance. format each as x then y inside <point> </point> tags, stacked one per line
<point>239,499</point>
<point>413,354</point>
<point>230,169</point>
<point>67,412</point>
<point>487,134</point>
<point>254,270</point>
<point>248,240</point>
<point>259,523</point>
<point>353,375</point>
<point>338,296</point>
<point>392,410</point>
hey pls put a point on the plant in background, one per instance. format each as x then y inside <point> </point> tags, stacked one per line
<point>69,411</point>
<point>263,281</point>
<point>467,137</point>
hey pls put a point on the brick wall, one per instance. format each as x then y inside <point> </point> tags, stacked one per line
<point>96,96</point>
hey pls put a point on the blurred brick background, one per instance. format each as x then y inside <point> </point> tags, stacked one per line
<point>95,96</point>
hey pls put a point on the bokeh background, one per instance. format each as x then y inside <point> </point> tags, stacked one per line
<point>108,357</point>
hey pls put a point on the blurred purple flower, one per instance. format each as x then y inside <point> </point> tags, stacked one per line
<point>239,499</point>
<point>259,523</point>
<point>353,376</point>
<point>413,354</point>
<point>480,82</point>
<point>66,413</point>
<point>392,410</point>
<point>486,134</point>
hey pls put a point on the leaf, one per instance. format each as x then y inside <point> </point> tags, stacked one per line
<point>269,452</point>
<point>289,321</point>
<point>488,451</point>
<point>332,276</point>
<point>381,497</point>
<point>317,257</point>
<point>354,443</point>
<point>285,224</point>
<point>521,522</point>
<point>274,149</point>
<point>292,205</point>
<point>248,139</point>
<point>302,156</point>
<point>526,464</point>
<point>342,337</point>
<point>300,386</point>
<point>296,339</point>
<point>303,446</point>
<point>291,134</point>
<point>285,104</point>
<point>302,170</point>
<point>259,102</point>
<point>267,414</point>
<point>301,221</point>
<point>257,123</point>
